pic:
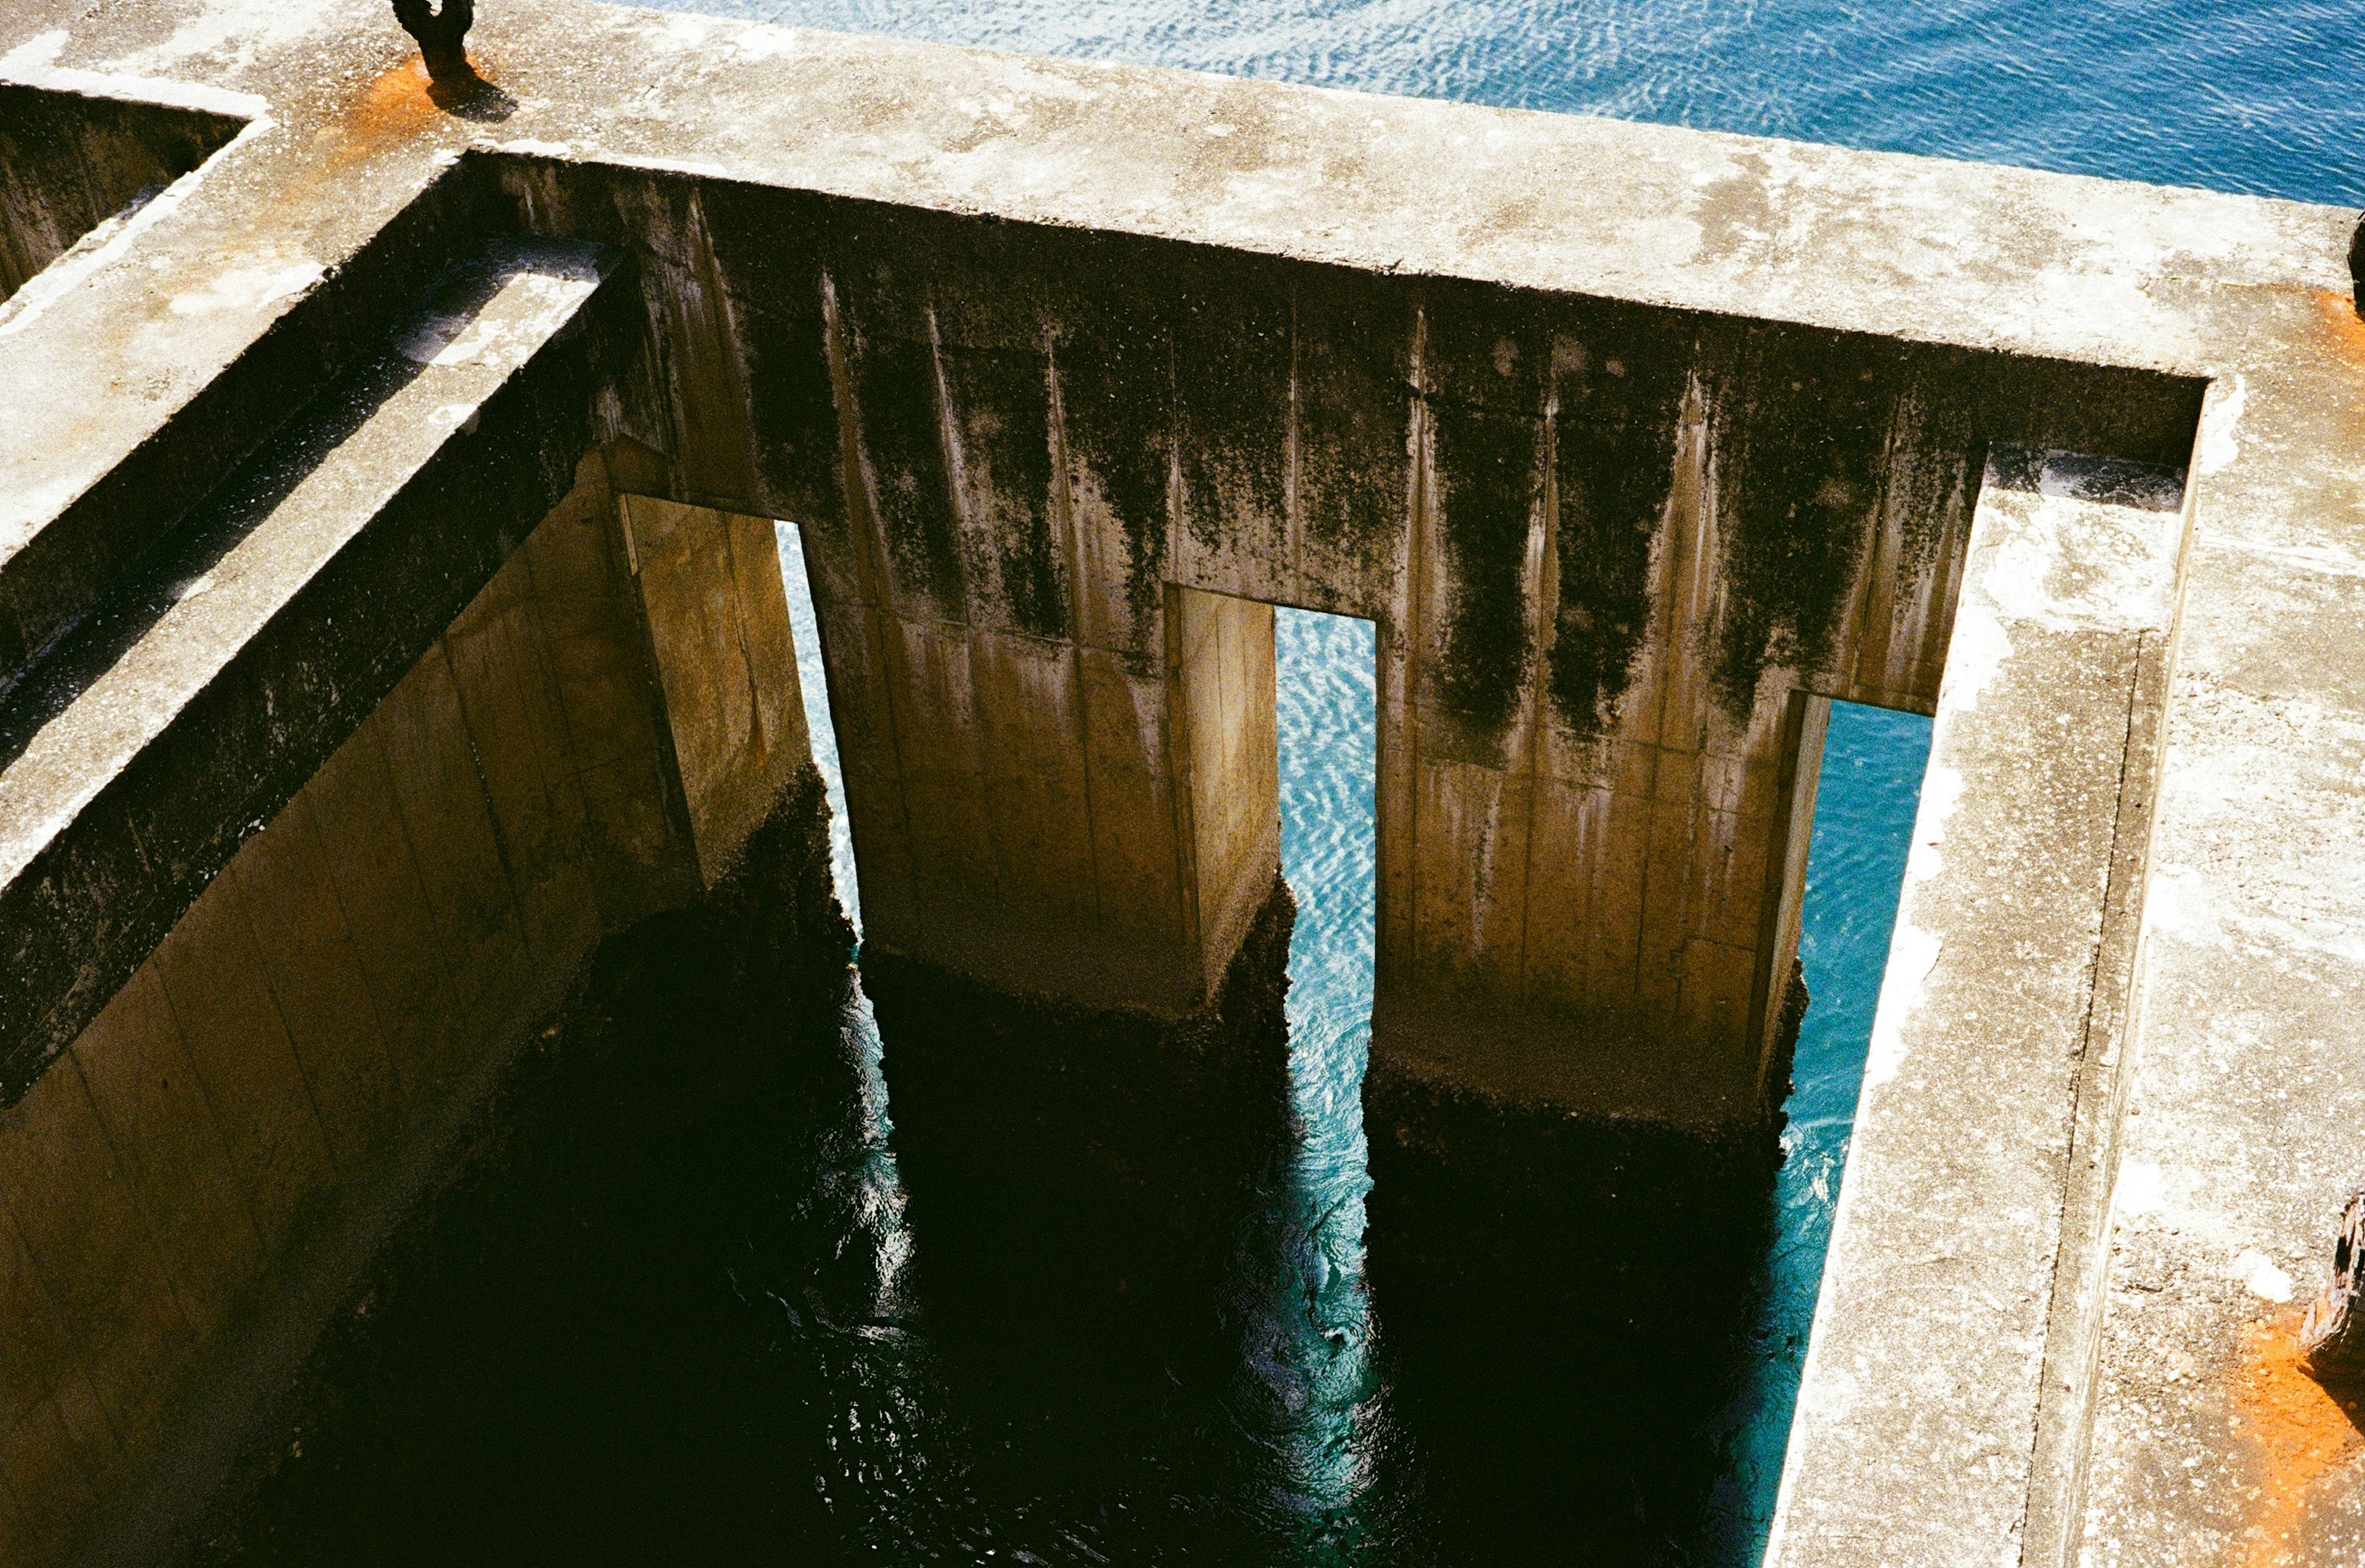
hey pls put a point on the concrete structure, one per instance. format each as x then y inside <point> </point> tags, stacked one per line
<point>1638,444</point>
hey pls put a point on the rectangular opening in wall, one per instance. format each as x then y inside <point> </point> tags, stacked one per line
<point>812,682</point>
<point>1864,805</point>
<point>74,168</point>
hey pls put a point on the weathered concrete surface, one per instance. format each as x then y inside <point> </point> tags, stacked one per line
<point>700,1046</point>
<point>1999,1024</point>
<point>718,615</point>
<point>163,727</point>
<point>1607,547</point>
<point>1625,435</point>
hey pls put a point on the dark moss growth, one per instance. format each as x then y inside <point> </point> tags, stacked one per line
<point>1116,367</point>
<point>901,424</point>
<point>791,415</point>
<point>1619,400</point>
<point>1485,347</point>
<point>1489,469</point>
<point>1800,432</point>
<point>1354,420</point>
<point>1933,477</point>
<point>1001,406</point>
<point>1233,323</point>
<point>763,249</point>
<point>993,281</point>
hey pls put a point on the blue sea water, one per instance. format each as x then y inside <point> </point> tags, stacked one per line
<point>2228,95</point>
<point>2219,94</point>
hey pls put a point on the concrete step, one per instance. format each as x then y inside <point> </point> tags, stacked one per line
<point>173,720</point>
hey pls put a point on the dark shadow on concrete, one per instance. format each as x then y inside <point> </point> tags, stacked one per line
<point>176,566</point>
<point>70,160</point>
<point>178,563</point>
<point>469,96</point>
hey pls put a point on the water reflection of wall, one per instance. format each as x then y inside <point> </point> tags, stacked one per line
<point>1085,1191</point>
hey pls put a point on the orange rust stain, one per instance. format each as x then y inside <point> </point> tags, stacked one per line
<point>2302,1431</point>
<point>395,105</point>
<point>2341,323</point>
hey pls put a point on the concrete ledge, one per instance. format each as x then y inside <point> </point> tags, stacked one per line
<point>59,558</point>
<point>70,163</point>
<point>1983,1138</point>
<point>174,721</point>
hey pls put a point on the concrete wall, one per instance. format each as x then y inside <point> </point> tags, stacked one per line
<point>69,162</point>
<point>1985,1143</point>
<point>207,1162</point>
<point>1607,547</point>
<point>709,584</point>
<point>1102,332</point>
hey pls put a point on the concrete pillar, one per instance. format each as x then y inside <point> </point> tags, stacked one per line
<point>1221,696</point>
<point>718,622</point>
<point>1640,570</point>
<point>1054,785</point>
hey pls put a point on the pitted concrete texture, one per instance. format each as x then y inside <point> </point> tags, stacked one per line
<point>1636,443</point>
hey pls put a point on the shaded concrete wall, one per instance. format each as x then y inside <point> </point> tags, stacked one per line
<point>1223,703</point>
<point>1607,547</point>
<point>709,585</point>
<point>587,744</point>
<point>68,163</point>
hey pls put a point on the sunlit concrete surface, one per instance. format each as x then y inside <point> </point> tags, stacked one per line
<point>1638,444</point>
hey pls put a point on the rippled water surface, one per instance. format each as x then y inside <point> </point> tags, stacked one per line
<point>2229,94</point>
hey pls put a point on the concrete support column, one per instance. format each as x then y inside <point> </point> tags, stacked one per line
<point>1593,817</point>
<point>1221,701</point>
<point>718,625</point>
<point>1057,785</point>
